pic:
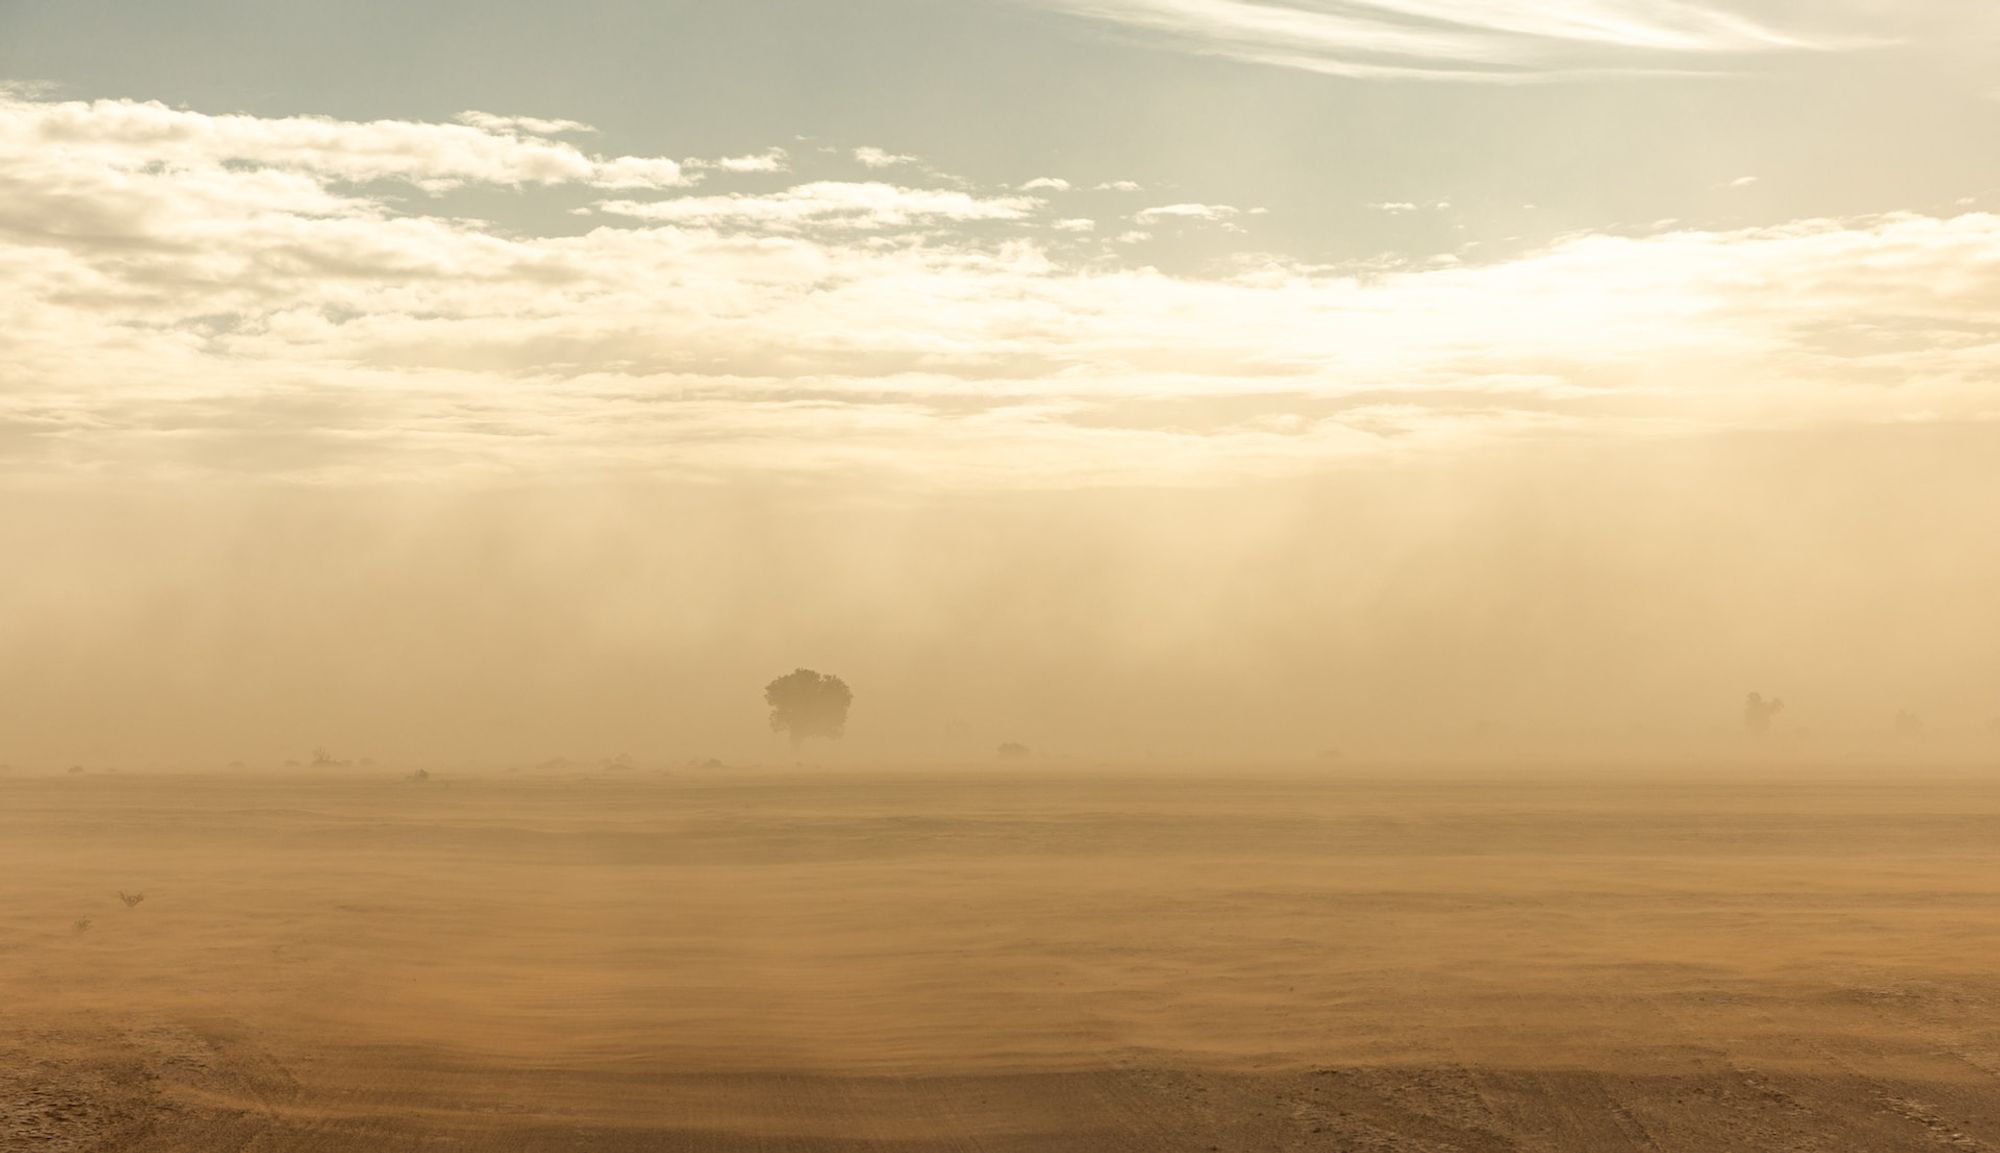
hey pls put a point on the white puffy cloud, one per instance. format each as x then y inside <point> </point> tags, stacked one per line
<point>530,125</point>
<point>830,203</point>
<point>1209,212</point>
<point>1049,183</point>
<point>770,160</point>
<point>169,306</point>
<point>125,134</point>
<point>871,157</point>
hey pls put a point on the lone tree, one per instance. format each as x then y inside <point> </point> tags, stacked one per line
<point>1757,712</point>
<point>808,704</point>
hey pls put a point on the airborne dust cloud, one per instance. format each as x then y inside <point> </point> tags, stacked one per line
<point>1605,600</point>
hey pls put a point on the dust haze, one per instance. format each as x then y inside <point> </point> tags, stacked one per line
<point>1011,576</point>
<point>1418,806</point>
<point>1574,601</point>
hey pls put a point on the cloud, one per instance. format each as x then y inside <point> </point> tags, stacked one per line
<point>871,157</point>
<point>482,149</point>
<point>1210,212</point>
<point>1743,182</point>
<point>168,309</point>
<point>1074,224</point>
<point>770,160</point>
<point>529,125</point>
<point>1492,40</point>
<point>1394,207</point>
<point>1119,186</point>
<point>830,204</point>
<point>1051,183</point>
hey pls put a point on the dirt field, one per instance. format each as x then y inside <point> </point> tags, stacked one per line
<point>1031,960</point>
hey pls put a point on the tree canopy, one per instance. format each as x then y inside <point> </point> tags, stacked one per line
<point>808,704</point>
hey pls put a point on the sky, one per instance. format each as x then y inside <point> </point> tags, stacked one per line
<point>1130,378</point>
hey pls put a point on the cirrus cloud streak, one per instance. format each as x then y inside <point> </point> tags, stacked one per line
<point>1481,40</point>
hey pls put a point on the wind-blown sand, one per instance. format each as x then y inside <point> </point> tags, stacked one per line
<point>1023,960</point>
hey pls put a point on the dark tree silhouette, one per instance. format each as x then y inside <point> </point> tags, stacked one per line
<point>1757,712</point>
<point>808,704</point>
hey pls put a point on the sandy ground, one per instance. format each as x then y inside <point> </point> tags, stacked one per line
<point>1022,960</point>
